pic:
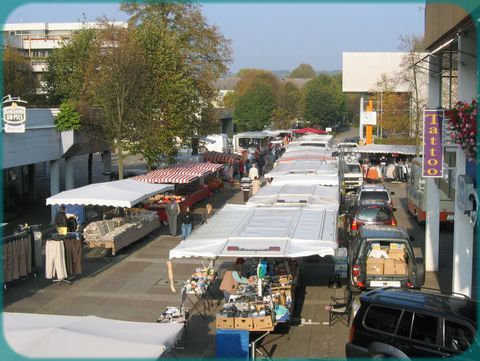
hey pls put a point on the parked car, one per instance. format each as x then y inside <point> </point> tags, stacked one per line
<point>408,323</point>
<point>383,256</point>
<point>371,212</point>
<point>376,192</point>
<point>352,176</point>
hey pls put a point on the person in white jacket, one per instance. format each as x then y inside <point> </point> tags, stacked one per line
<point>253,173</point>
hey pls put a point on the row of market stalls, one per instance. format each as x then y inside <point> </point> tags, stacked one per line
<point>293,217</point>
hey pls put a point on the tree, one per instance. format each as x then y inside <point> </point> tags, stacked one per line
<point>288,107</point>
<point>250,76</point>
<point>303,71</point>
<point>67,67</point>
<point>17,80</point>
<point>254,109</point>
<point>413,75</point>
<point>68,117</point>
<point>322,99</point>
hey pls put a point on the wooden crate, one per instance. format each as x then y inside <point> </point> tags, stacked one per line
<point>263,323</point>
<point>225,322</point>
<point>244,323</point>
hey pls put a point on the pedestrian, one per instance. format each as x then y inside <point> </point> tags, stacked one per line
<point>61,220</point>
<point>232,278</point>
<point>253,172</point>
<point>207,213</point>
<point>173,210</point>
<point>255,186</point>
<point>246,186</point>
<point>187,223</point>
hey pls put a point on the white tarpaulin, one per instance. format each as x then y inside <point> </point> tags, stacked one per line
<point>304,167</point>
<point>301,179</point>
<point>387,148</point>
<point>52,336</point>
<point>291,194</point>
<point>121,193</point>
<point>247,231</point>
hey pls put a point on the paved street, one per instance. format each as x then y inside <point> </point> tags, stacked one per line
<point>134,286</point>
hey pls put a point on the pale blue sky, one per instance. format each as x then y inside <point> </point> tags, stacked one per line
<point>277,36</point>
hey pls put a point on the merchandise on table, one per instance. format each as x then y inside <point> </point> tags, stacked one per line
<point>249,311</point>
<point>173,315</point>
<point>199,282</point>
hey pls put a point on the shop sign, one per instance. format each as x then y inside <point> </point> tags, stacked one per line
<point>368,118</point>
<point>432,166</point>
<point>14,118</point>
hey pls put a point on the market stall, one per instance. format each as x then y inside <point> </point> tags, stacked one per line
<point>300,195</point>
<point>270,238</point>
<point>193,183</point>
<point>309,131</point>
<point>122,230</point>
<point>388,149</point>
<point>307,154</point>
<point>302,179</point>
<point>304,167</point>
<point>54,336</point>
<point>221,158</point>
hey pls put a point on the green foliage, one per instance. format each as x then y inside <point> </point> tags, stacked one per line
<point>254,109</point>
<point>322,100</point>
<point>68,117</point>
<point>396,140</point>
<point>303,71</point>
<point>16,75</point>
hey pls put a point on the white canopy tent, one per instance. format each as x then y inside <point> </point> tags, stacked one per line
<point>303,166</point>
<point>53,336</point>
<point>247,231</point>
<point>302,179</point>
<point>388,148</point>
<point>121,193</point>
<point>293,194</point>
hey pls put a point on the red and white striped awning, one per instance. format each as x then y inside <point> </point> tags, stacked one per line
<point>167,175</point>
<point>217,157</point>
<point>180,173</point>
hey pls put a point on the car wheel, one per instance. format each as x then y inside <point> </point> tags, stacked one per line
<point>383,350</point>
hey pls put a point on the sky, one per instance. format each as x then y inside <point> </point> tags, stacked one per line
<point>276,36</point>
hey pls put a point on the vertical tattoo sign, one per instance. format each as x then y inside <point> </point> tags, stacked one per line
<point>432,144</point>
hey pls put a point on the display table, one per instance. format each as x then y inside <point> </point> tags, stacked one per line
<point>159,203</point>
<point>249,311</point>
<point>197,290</point>
<point>119,232</point>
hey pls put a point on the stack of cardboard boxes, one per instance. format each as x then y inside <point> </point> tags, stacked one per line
<point>393,264</point>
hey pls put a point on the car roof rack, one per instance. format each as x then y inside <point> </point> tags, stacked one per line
<point>451,293</point>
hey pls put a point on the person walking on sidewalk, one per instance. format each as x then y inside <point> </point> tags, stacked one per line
<point>207,213</point>
<point>173,210</point>
<point>187,223</point>
<point>253,172</point>
<point>255,186</point>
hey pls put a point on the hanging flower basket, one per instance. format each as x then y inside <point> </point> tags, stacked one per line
<point>463,124</point>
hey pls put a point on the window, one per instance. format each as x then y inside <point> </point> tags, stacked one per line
<point>374,213</point>
<point>425,328</point>
<point>457,337</point>
<point>405,325</point>
<point>382,319</point>
<point>366,195</point>
<point>352,168</point>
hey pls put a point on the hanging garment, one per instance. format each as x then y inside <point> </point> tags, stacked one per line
<point>55,260</point>
<point>73,256</point>
<point>390,173</point>
<point>372,173</point>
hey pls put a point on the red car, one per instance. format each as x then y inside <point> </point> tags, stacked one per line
<point>375,213</point>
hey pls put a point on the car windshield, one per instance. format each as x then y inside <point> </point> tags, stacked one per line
<point>367,195</point>
<point>374,213</point>
<point>352,168</point>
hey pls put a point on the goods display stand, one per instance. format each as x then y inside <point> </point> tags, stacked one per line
<point>197,291</point>
<point>256,311</point>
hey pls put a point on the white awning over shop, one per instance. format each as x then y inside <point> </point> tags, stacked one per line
<point>305,167</point>
<point>293,194</point>
<point>247,231</point>
<point>52,336</point>
<point>388,148</point>
<point>302,179</point>
<point>121,193</point>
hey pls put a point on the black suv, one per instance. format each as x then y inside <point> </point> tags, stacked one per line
<point>409,323</point>
<point>383,256</point>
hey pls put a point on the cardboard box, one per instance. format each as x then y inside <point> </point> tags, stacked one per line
<point>225,322</point>
<point>243,323</point>
<point>396,253</point>
<point>262,323</point>
<point>400,267</point>
<point>375,266</point>
<point>389,266</point>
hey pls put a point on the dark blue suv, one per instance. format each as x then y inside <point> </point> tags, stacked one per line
<point>402,323</point>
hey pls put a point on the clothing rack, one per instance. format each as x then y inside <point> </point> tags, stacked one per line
<point>20,254</point>
<point>63,257</point>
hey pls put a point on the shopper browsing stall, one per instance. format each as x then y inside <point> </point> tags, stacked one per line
<point>232,279</point>
<point>187,223</point>
<point>172,210</point>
